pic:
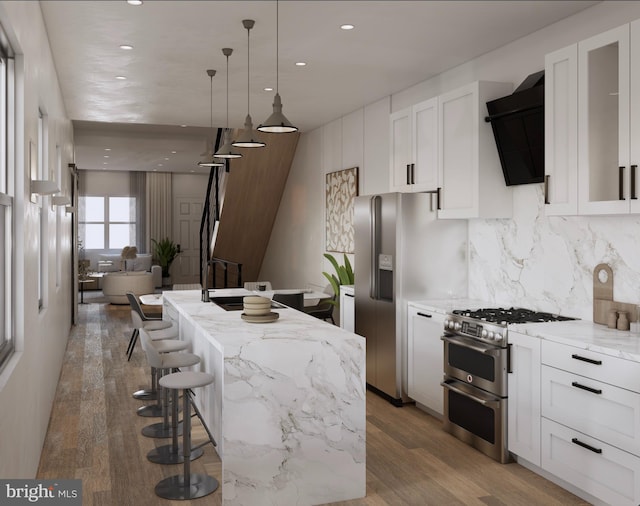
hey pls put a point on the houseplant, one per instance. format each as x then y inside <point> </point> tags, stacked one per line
<point>164,251</point>
<point>343,275</point>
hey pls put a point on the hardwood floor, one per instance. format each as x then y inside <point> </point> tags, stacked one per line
<point>94,435</point>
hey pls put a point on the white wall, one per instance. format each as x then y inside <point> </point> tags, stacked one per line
<point>529,276</point>
<point>28,383</point>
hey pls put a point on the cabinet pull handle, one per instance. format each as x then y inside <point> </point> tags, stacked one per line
<point>588,389</point>
<point>408,173</point>
<point>546,189</point>
<point>585,359</point>
<point>576,441</point>
<point>413,173</point>
<point>633,182</point>
<point>425,315</point>
<point>621,183</point>
<point>438,202</point>
<point>348,295</point>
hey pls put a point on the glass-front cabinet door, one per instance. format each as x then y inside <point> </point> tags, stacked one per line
<point>605,174</point>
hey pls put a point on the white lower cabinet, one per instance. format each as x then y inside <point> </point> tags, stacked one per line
<point>347,309</point>
<point>590,409</point>
<point>524,398</point>
<point>425,357</point>
<point>601,410</point>
<point>602,470</point>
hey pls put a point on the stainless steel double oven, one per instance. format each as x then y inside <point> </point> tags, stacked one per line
<point>476,364</point>
<point>476,367</point>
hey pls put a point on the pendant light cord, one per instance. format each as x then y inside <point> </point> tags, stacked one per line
<point>211,103</point>
<point>227,92</point>
<point>277,48</point>
<point>248,69</point>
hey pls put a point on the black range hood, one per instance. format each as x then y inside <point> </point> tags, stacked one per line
<point>517,121</point>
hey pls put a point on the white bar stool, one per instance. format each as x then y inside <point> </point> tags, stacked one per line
<point>161,363</point>
<point>187,485</point>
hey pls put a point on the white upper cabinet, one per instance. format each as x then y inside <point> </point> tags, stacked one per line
<point>414,148</point>
<point>470,175</point>
<point>608,121</point>
<point>561,131</point>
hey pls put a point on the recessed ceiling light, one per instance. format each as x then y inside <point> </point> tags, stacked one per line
<point>300,64</point>
<point>166,158</point>
<point>174,152</point>
<point>134,2</point>
<point>121,78</point>
<point>105,163</point>
<point>106,156</point>
<point>107,149</point>
<point>268,89</point>
<point>347,26</point>
<point>126,47</point>
<point>183,126</point>
<point>159,165</point>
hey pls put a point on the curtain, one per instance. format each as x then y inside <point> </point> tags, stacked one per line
<point>137,188</point>
<point>158,206</point>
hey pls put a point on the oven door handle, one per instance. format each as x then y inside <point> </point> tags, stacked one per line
<point>465,344</point>
<point>484,402</point>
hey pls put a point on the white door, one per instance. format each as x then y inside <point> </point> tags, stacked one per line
<point>425,358</point>
<point>561,131</point>
<point>424,171</point>
<point>186,230</point>
<point>400,150</point>
<point>524,397</point>
<point>603,123</point>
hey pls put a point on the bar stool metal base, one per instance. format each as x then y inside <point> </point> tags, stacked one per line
<point>176,489</point>
<point>152,410</point>
<point>145,395</point>
<point>160,430</point>
<point>166,455</point>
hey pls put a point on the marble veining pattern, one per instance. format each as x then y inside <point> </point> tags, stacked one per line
<point>293,407</point>
<point>546,263</point>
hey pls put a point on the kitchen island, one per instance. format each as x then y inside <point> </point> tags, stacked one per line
<point>287,406</point>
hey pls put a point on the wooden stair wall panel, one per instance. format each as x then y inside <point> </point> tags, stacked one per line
<point>251,201</point>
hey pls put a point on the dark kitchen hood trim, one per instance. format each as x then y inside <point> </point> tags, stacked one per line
<point>517,121</point>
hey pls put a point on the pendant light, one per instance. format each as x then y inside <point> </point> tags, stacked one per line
<point>227,151</point>
<point>277,123</point>
<point>212,162</point>
<point>247,138</point>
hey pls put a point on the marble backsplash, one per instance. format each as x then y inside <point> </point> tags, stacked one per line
<point>546,263</point>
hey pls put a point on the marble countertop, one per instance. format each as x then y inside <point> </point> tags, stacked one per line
<point>579,333</point>
<point>291,399</point>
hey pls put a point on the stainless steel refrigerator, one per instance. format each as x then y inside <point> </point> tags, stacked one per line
<point>402,253</point>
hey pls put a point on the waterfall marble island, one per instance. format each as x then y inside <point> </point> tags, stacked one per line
<point>287,407</point>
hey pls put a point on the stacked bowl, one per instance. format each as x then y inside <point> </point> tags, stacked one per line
<point>258,310</point>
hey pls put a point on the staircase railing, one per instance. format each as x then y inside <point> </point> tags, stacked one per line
<point>211,216</point>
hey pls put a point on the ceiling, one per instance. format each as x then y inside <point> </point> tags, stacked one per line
<point>394,45</point>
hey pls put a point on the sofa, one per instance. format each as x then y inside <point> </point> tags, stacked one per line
<point>113,262</point>
<point>115,285</point>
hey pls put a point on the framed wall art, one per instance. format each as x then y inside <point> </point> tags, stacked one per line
<point>341,189</point>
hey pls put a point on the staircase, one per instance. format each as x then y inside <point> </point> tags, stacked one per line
<point>240,208</point>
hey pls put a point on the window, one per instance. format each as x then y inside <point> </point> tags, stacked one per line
<point>6,199</point>
<point>107,222</point>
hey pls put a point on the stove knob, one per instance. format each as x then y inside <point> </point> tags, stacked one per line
<point>490,335</point>
<point>484,333</point>
<point>498,336</point>
<point>457,326</point>
<point>446,324</point>
<point>451,324</point>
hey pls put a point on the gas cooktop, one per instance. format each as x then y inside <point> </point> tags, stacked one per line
<point>510,315</point>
